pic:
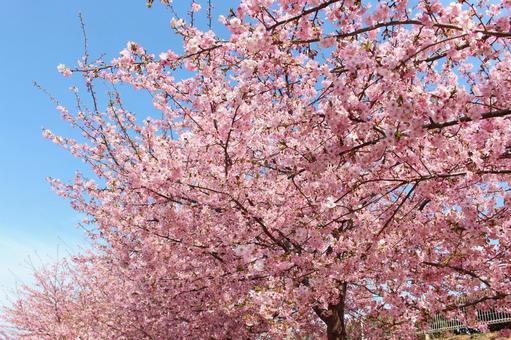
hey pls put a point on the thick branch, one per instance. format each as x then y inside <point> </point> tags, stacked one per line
<point>464,119</point>
<point>303,13</point>
<point>401,23</point>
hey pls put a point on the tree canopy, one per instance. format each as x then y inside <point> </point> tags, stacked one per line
<point>330,168</point>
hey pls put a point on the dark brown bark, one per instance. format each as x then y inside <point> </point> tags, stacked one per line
<point>336,326</point>
<point>334,317</point>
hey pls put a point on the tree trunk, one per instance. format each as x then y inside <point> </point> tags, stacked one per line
<point>336,329</point>
<point>334,319</point>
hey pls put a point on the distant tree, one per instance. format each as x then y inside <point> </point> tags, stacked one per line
<point>328,163</point>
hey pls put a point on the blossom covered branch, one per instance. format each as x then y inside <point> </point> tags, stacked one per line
<point>329,168</point>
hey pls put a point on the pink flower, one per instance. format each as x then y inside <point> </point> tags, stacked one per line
<point>47,134</point>
<point>298,168</point>
<point>65,71</point>
<point>330,202</point>
<point>196,7</point>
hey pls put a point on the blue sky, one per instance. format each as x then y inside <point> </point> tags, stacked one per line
<point>36,36</point>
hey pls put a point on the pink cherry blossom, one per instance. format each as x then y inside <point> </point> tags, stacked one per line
<point>196,7</point>
<point>325,170</point>
<point>65,71</point>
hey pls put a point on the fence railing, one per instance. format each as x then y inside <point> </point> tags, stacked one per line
<point>490,317</point>
<point>493,317</point>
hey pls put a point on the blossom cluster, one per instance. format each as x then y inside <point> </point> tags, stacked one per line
<point>332,168</point>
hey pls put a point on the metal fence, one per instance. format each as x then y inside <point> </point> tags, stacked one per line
<point>489,317</point>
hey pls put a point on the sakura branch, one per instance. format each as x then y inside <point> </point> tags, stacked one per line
<point>325,169</point>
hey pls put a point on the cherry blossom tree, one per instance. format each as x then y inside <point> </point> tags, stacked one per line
<point>329,168</point>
